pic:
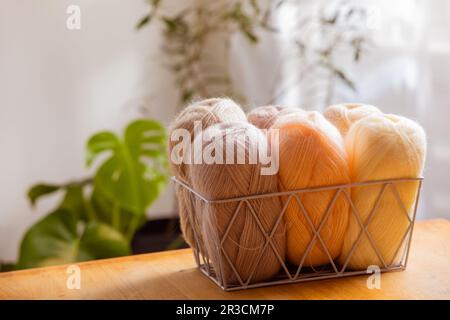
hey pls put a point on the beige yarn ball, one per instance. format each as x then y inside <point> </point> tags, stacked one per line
<point>208,112</point>
<point>345,114</point>
<point>245,241</point>
<point>265,116</point>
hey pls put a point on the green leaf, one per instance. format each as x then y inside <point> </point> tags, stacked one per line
<point>156,3</point>
<point>341,75</point>
<point>250,36</point>
<point>74,201</point>
<point>337,72</point>
<point>177,243</point>
<point>104,208</point>
<point>56,240</point>
<point>144,21</point>
<point>187,96</point>
<point>145,137</point>
<point>5,266</point>
<point>135,172</point>
<point>100,241</point>
<point>255,5</point>
<point>73,198</point>
<point>40,190</point>
<point>171,24</point>
<point>99,143</point>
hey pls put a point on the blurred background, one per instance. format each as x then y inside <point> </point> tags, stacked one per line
<point>69,69</point>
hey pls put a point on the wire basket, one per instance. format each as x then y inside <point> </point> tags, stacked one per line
<point>293,273</point>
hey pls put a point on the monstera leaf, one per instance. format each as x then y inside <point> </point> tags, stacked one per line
<point>40,190</point>
<point>135,172</point>
<point>111,213</point>
<point>73,198</point>
<point>57,239</point>
<point>97,217</point>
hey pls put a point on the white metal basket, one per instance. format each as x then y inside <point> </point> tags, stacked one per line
<point>294,274</point>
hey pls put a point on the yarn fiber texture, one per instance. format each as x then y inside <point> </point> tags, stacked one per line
<point>342,116</point>
<point>382,147</point>
<point>245,241</point>
<point>312,155</point>
<point>265,116</point>
<point>208,112</point>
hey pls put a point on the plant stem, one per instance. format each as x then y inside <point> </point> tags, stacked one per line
<point>132,227</point>
<point>83,182</point>
<point>89,210</point>
<point>116,216</point>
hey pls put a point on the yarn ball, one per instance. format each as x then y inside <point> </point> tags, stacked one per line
<point>245,241</point>
<point>345,114</point>
<point>265,116</point>
<point>382,147</point>
<point>312,155</point>
<point>208,112</point>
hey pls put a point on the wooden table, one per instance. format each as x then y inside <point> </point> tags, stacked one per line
<point>172,275</point>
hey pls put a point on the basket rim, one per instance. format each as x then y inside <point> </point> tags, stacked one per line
<point>295,191</point>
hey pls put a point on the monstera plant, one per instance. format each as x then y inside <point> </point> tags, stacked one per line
<point>98,216</point>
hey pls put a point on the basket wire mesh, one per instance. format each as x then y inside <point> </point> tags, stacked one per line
<point>286,274</point>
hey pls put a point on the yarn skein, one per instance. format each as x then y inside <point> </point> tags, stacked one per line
<point>312,155</point>
<point>245,241</point>
<point>208,112</point>
<point>382,147</point>
<point>345,114</point>
<point>265,116</point>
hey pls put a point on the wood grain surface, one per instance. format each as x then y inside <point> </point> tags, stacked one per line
<point>172,275</point>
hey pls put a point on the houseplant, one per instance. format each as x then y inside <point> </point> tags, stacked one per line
<point>98,216</point>
<point>322,31</point>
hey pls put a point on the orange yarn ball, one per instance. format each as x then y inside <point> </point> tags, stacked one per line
<point>312,155</point>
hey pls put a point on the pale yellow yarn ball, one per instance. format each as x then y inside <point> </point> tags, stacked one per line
<point>382,147</point>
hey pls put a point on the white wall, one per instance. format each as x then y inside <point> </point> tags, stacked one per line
<point>57,87</point>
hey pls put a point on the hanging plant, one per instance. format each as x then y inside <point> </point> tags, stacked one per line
<point>187,33</point>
